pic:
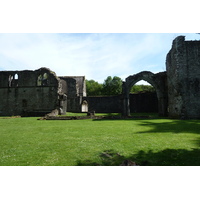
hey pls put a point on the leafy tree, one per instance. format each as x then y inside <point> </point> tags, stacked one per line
<point>93,88</point>
<point>112,86</point>
<point>142,88</point>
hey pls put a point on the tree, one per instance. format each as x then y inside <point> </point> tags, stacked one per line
<point>93,88</point>
<point>112,86</point>
<point>142,88</point>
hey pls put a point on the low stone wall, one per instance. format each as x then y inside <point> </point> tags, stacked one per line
<point>142,102</point>
<point>104,104</point>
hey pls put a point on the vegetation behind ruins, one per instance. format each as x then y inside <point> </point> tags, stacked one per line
<point>113,86</point>
<point>142,88</point>
<point>157,142</point>
<point>110,86</point>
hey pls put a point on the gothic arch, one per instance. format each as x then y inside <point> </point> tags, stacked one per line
<point>84,106</point>
<point>158,81</point>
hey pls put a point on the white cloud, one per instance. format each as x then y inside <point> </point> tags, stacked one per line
<point>94,55</point>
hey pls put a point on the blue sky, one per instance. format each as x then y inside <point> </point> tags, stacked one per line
<point>94,55</point>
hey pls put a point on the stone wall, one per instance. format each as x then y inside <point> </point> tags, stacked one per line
<point>70,87</point>
<point>30,93</point>
<point>75,88</point>
<point>41,91</point>
<point>74,104</point>
<point>158,81</point>
<point>183,74</point>
<point>104,104</point>
<point>142,102</point>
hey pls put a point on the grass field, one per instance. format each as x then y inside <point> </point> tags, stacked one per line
<point>152,142</point>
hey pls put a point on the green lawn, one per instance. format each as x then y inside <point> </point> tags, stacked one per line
<point>155,142</point>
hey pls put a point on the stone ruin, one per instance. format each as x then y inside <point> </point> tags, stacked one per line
<point>183,78</point>
<point>178,89</point>
<point>32,93</point>
<point>158,81</point>
<point>39,92</point>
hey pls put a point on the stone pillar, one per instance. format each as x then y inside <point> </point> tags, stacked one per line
<point>125,100</point>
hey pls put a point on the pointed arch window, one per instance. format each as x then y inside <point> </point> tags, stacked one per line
<point>10,80</point>
<point>13,80</point>
<point>42,80</point>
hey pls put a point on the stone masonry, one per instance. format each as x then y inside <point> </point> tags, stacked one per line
<point>178,89</point>
<point>36,93</point>
<point>30,93</point>
<point>183,76</point>
<point>158,81</point>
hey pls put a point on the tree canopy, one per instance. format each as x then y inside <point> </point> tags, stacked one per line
<point>113,86</point>
<point>142,88</point>
<point>93,88</point>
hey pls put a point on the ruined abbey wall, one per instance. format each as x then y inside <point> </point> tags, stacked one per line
<point>158,81</point>
<point>183,74</point>
<point>141,102</point>
<point>104,104</point>
<point>36,93</point>
<point>146,102</point>
<point>75,88</point>
<point>30,93</point>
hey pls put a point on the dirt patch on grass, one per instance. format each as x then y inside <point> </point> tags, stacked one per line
<point>91,117</point>
<point>12,117</point>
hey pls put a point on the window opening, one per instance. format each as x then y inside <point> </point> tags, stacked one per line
<point>42,80</point>
<point>16,77</point>
<point>84,106</point>
<point>16,80</point>
<point>10,79</point>
<point>45,79</point>
<point>142,86</point>
<point>39,80</point>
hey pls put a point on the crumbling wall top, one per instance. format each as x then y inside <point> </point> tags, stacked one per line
<point>28,78</point>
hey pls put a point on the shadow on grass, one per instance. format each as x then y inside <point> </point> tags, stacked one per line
<point>175,126</point>
<point>167,157</point>
<point>133,116</point>
<point>156,126</point>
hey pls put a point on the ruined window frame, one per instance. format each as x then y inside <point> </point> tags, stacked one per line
<point>42,79</point>
<point>10,80</point>
<point>13,80</point>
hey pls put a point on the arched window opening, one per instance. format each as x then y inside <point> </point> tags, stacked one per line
<point>45,79</point>
<point>84,106</point>
<point>39,80</point>
<point>16,76</point>
<point>10,79</point>
<point>42,80</point>
<point>141,87</point>
<point>143,98</point>
<point>16,80</point>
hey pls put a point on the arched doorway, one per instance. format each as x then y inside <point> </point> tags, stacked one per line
<point>143,98</point>
<point>84,107</point>
<point>158,81</point>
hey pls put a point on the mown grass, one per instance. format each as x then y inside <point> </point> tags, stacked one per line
<point>157,142</point>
